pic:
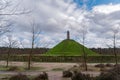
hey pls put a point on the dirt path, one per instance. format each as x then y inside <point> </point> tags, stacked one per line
<point>48,67</point>
<point>44,66</point>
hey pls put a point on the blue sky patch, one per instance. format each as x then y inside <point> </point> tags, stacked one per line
<point>91,3</point>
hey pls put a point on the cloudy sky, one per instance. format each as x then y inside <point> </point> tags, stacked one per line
<point>99,19</point>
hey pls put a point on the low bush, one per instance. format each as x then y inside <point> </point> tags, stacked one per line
<point>80,76</point>
<point>113,74</point>
<point>100,65</point>
<point>67,74</point>
<point>109,65</point>
<point>43,76</point>
<point>19,77</point>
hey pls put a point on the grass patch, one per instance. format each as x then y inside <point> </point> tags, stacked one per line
<point>11,68</point>
<point>57,69</point>
<point>16,68</point>
<point>3,68</point>
<point>35,68</point>
<point>20,69</point>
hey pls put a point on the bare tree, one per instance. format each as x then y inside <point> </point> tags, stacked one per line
<point>84,53</point>
<point>114,47</point>
<point>6,11</point>
<point>115,32</point>
<point>10,43</point>
<point>34,41</point>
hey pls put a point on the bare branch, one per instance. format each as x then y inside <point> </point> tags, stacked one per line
<point>5,28</point>
<point>35,35</point>
<point>4,5</point>
<point>16,13</point>
<point>14,10</point>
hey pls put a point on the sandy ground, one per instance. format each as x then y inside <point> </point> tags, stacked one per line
<point>48,67</point>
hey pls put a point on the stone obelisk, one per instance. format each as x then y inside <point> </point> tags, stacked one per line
<point>68,35</point>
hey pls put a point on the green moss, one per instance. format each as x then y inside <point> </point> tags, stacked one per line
<point>69,48</point>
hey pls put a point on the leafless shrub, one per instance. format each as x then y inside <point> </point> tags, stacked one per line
<point>112,74</point>
<point>100,65</point>
<point>67,74</point>
<point>43,76</point>
<point>19,77</point>
<point>109,65</point>
<point>80,76</point>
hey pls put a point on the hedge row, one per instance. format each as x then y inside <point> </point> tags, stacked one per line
<point>90,59</point>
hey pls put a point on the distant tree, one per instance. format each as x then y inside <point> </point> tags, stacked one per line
<point>82,32</point>
<point>84,53</point>
<point>10,43</point>
<point>5,24</point>
<point>114,47</point>
<point>35,31</point>
<point>115,33</point>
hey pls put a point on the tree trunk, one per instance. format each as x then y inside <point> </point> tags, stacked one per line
<point>114,42</point>
<point>8,55</point>
<point>29,61</point>
<point>84,54</point>
<point>32,47</point>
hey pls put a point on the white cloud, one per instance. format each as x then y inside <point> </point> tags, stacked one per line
<point>55,17</point>
<point>106,8</point>
<point>104,21</point>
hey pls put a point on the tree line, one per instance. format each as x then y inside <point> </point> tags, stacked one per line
<point>4,50</point>
<point>103,51</point>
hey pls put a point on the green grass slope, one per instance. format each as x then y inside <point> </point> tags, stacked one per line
<point>69,48</point>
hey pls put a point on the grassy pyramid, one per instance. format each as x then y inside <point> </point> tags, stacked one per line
<point>69,47</point>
